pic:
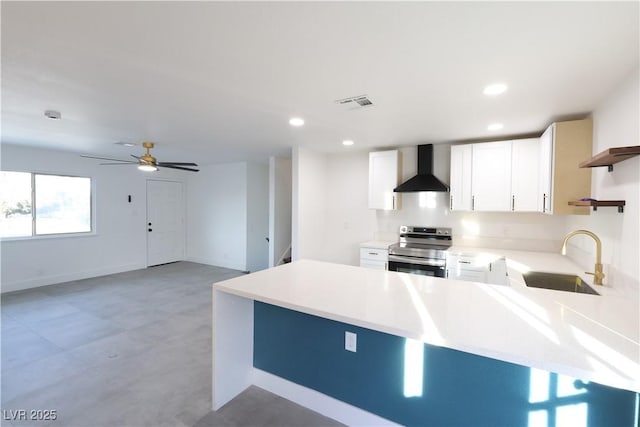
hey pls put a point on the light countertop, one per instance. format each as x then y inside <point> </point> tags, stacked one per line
<point>377,244</point>
<point>594,338</point>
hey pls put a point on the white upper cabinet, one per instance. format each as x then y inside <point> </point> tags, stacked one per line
<point>545,158</point>
<point>460,191</point>
<point>491,176</point>
<point>384,173</point>
<point>562,147</point>
<point>524,174</point>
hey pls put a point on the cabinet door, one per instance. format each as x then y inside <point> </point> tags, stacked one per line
<point>460,192</point>
<point>497,274</point>
<point>383,178</point>
<point>491,176</point>
<point>524,174</point>
<point>545,179</point>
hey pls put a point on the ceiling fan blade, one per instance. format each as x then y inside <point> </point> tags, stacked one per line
<point>106,158</point>
<point>178,167</point>
<point>175,164</point>
<point>135,157</point>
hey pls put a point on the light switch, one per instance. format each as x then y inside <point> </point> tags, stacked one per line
<point>350,341</point>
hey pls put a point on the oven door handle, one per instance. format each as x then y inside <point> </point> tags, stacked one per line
<point>419,261</point>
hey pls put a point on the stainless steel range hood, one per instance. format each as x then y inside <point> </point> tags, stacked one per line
<point>424,180</point>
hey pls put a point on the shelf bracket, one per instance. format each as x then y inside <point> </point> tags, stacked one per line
<point>621,209</point>
<point>610,168</point>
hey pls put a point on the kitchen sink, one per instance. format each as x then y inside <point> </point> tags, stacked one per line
<point>557,282</point>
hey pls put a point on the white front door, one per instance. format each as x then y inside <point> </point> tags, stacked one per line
<point>165,222</point>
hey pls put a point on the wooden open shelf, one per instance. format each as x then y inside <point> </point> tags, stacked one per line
<point>597,203</point>
<point>611,156</point>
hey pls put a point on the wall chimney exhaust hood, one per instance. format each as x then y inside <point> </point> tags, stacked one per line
<point>424,180</point>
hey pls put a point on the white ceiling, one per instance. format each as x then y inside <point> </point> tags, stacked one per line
<point>218,81</point>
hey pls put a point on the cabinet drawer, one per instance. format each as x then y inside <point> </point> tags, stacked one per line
<point>465,262</point>
<point>374,254</point>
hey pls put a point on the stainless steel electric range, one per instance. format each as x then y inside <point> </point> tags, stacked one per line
<point>421,250</point>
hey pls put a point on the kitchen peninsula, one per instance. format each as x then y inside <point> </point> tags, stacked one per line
<point>428,350</point>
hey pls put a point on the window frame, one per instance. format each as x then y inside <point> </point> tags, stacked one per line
<point>70,234</point>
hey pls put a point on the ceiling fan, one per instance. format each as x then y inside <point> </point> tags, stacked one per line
<point>147,162</point>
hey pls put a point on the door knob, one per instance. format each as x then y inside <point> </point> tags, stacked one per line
<point>149,223</point>
<point>150,230</point>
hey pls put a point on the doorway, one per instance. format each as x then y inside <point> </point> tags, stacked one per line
<point>165,222</point>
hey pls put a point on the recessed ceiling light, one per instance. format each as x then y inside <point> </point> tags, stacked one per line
<point>53,114</point>
<point>495,126</point>
<point>347,142</point>
<point>495,89</point>
<point>296,121</point>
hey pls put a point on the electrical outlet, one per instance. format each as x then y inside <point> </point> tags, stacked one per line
<point>350,341</point>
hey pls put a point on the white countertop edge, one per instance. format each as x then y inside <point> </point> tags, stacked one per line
<point>564,369</point>
<point>377,244</point>
<point>614,317</point>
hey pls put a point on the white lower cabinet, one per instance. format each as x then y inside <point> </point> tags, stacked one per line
<point>477,268</point>
<point>374,258</point>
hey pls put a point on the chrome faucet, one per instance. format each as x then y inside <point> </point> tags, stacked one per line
<point>598,275</point>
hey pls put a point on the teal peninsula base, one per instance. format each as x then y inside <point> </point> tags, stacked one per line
<point>417,384</point>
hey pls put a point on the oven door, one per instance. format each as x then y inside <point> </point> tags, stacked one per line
<point>423,266</point>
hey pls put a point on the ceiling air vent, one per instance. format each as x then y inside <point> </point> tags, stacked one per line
<point>355,102</point>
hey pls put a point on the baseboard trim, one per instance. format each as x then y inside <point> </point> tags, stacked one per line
<point>61,278</point>
<point>316,401</point>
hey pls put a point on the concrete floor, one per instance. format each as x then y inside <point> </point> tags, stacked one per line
<point>129,349</point>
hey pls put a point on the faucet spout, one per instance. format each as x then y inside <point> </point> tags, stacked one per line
<point>598,275</point>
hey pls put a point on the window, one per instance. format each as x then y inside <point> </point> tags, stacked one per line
<point>15,204</point>
<point>39,204</point>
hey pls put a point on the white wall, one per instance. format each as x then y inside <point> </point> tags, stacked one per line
<point>348,219</point>
<point>257,216</point>
<point>217,216</point>
<point>309,204</point>
<point>119,242</point>
<point>616,124</point>
<point>279,208</point>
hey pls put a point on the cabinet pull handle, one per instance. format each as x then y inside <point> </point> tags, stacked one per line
<point>490,267</point>
<point>544,202</point>
<point>393,202</point>
<point>386,266</point>
<point>473,203</point>
<point>450,203</point>
<point>464,262</point>
<point>513,203</point>
<point>373,253</point>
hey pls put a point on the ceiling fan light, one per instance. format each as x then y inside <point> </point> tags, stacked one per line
<point>147,168</point>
